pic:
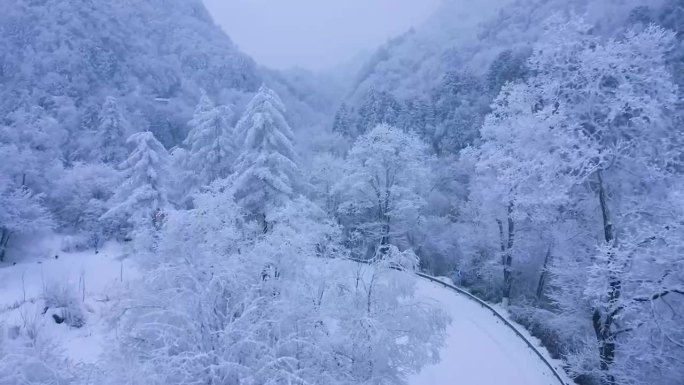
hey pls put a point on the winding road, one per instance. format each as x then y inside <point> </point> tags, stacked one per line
<point>480,348</point>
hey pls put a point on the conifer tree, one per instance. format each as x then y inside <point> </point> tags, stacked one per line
<point>210,143</point>
<point>267,174</point>
<point>111,132</point>
<point>344,123</point>
<point>140,201</point>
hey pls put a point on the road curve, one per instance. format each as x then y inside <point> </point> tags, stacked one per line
<point>480,349</point>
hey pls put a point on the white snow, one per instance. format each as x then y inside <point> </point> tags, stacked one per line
<point>94,278</point>
<point>98,270</point>
<point>480,349</point>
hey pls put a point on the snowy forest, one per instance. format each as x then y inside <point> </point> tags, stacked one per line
<point>172,212</point>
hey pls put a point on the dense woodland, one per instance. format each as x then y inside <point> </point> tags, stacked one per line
<point>534,155</point>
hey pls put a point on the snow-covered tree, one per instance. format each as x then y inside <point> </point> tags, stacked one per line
<point>343,122</point>
<point>79,199</point>
<point>182,183</point>
<point>111,132</point>
<point>588,140</point>
<point>22,213</point>
<point>266,172</point>
<point>34,361</point>
<point>210,142</point>
<point>382,193</point>
<point>460,106</point>
<point>378,107</point>
<point>419,117</point>
<point>29,166</point>
<point>30,141</point>
<point>325,172</point>
<point>219,306</point>
<point>139,202</point>
<point>508,67</point>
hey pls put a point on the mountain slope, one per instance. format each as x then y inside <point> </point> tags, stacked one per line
<point>440,78</point>
<point>153,55</point>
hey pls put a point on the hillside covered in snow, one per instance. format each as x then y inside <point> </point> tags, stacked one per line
<point>171,212</point>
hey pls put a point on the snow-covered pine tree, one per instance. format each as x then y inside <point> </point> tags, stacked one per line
<point>343,123</point>
<point>210,142</point>
<point>111,133</point>
<point>378,107</point>
<point>460,105</point>
<point>267,174</point>
<point>140,201</point>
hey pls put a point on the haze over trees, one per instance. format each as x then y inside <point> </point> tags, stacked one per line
<point>533,155</point>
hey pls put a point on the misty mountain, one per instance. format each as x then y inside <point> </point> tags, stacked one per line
<point>449,70</point>
<point>172,212</point>
<point>153,55</point>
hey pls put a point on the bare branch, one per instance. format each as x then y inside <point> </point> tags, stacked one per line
<point>659,295</point>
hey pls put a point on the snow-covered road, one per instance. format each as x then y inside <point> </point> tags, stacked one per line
<point>480,349</point>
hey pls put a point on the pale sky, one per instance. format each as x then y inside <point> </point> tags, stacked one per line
<point>315,34</point>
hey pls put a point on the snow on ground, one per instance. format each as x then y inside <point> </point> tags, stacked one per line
<point>480,348</point>
<point>89,280</point>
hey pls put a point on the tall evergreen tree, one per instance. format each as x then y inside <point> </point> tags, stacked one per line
<point>210,143</point>
<point>267,174</point>
<point>111,132</point>
<point>142,197</point>
<point>344,122</point>
<point>379,107</point>
<point>460,107</point>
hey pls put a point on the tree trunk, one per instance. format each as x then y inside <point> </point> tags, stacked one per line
<point>384,216</point>
<point>385,237</point>
<point>4,240</point>
<point>542,277</point>
<point>608,227</point>
<point>264,223</point>
<point>606,339</point>
<point>507,256</point>
<point>604,323</point>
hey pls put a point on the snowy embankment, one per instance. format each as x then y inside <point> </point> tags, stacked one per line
<point>480,348</point>
<point>37,290</point>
